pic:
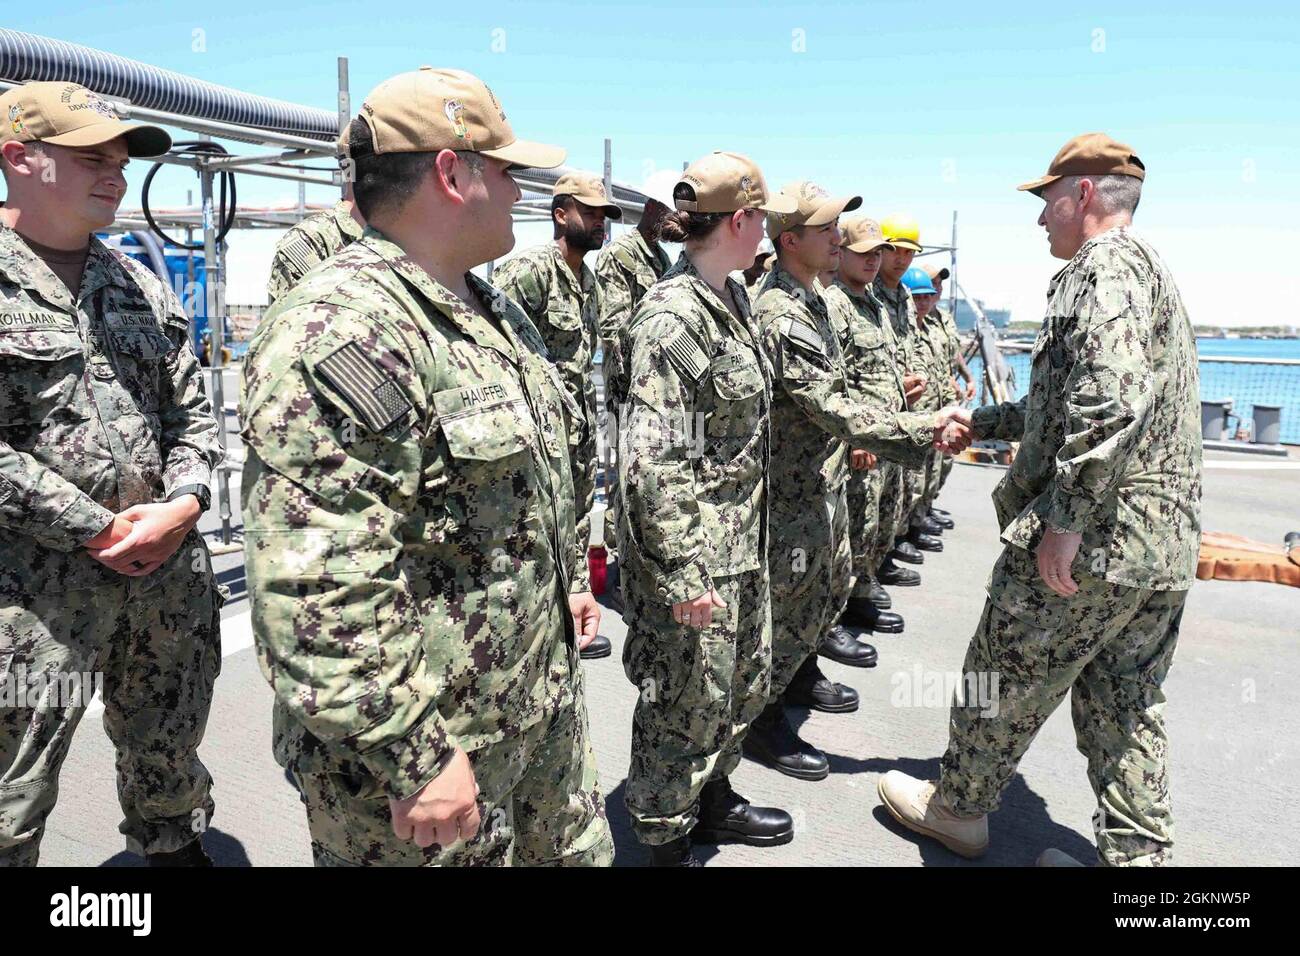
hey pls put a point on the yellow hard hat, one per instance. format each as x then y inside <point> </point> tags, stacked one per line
<point>901,230</point>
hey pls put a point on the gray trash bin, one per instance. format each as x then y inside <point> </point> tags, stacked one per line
<point>1268,424</point>
<point>1214,419</point>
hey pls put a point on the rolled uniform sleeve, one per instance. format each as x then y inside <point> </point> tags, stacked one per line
<point>1109,398</point>
<point>335,463</point>
<point>1005,421</point>
<point>38,502</point>
<point>190,448</point>
<point>655,471</point>
<point>809,377</point>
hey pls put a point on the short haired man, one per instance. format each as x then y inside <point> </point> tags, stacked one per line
<point>107,445</point>
<point>418,591</point>
<point>559,293</point>
<point>814,423</point>
<point>1100,513</point>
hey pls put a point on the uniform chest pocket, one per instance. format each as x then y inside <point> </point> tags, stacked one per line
<point>564,314</point>
<point>868,338</point>
<point>40,370</point>
<point>141,356</point>
<point>738,389</point>
<point>489,433</point>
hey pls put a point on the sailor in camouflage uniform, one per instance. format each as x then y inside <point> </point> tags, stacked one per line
<point>896,539</point>
<point>625,270</point>
<point>107,445</point>
<point>873,378</point>
<point>418,592</point>
<point>1100,515</point>
<point>814,423</point>
<point>559,293</point>
<point>964,390</point>
<point>693,462</point>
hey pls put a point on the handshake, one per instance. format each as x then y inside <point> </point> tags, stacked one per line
<point>952,430</point>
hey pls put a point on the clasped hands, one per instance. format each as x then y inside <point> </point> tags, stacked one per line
<point>142,537</point>
<point>953,432</point>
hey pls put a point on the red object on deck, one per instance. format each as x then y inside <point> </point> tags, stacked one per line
<point>596,558</point>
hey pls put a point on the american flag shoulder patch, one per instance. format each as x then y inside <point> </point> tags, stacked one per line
<point>372,393</point>
<point>686,354</point>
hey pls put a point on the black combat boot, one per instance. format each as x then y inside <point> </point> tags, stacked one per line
<point>812,689</point>
<point>772,742</point>
<point>598,648</point>
<point>942,519</point>
<point>841,645</point>
<point>896,577</point>
<point>863,613</point>
<point>191,854</point>
<point>923,541</point>
<point>674,853</point>
<point>727,817</point>
<point>904,550</point>
<point>927,525</point>
<point>880,597</point>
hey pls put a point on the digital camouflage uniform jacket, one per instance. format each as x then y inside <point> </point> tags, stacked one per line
<point>409,520</point>
<point>308,244</point>
<point>102,407</point>
<point>1110,433</point>
<point>901,311</point>
<point>873,374</point>
<point>694,448</point>
<point>813,413</point>
<point>567,314</point>
<point>625,271</point>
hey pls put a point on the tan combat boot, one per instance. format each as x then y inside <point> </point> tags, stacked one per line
<point>916,805</point>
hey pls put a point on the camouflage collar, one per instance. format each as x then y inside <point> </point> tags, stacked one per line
<point>448,303</point>
<point>20,265</point>
<point>705,292</point>
<point>787,283</point>
<point>586,280</point>
<point>867,295</point>
<point>653,254</point>
<point>344,221</point>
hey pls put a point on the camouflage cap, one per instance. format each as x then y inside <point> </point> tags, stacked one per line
<point>814,206</point>
<point>1092,154</point>
<point>588,189</point>
<point>862,235</point>
<point>429,109</point>
<point>725,182</point>
<point>68,114</point>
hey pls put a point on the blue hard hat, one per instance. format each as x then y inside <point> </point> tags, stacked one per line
<point>917,280</point>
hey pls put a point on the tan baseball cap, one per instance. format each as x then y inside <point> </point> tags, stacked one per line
<point>430,109</point>
<point>936,272</point>
<point>68,114</point>
<point>814,206</point>
<point>862,235</point>
<point>588,189</point>
<point>1092,154</point>
<point>726,182</point>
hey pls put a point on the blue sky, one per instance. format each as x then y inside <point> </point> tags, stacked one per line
<point>919,107</point>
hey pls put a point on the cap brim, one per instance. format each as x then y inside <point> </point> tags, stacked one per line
<point>779,202</point>
<point>528,154</point>
<point>939,274</point>
<point>832,209</point>
<point>1036,186</point>
<point>598,202</point>
<point>141,139</point>
<point>905,244</point>
<point>867,245</point>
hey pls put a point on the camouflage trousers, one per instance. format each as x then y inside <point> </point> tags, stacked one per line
<point>1109,647</point>
<point>864,491</point>
<point>698,693</point>
<point>893,500</point>
<point>811,565</point>
<point>539,805</point>
<point>152,647</point>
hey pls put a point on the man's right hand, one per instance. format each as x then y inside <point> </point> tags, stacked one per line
<point>952,430</point>
<point>698,612</point>
<point>116,531</point>
<point>445,809</point>
<point>913,387</point>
